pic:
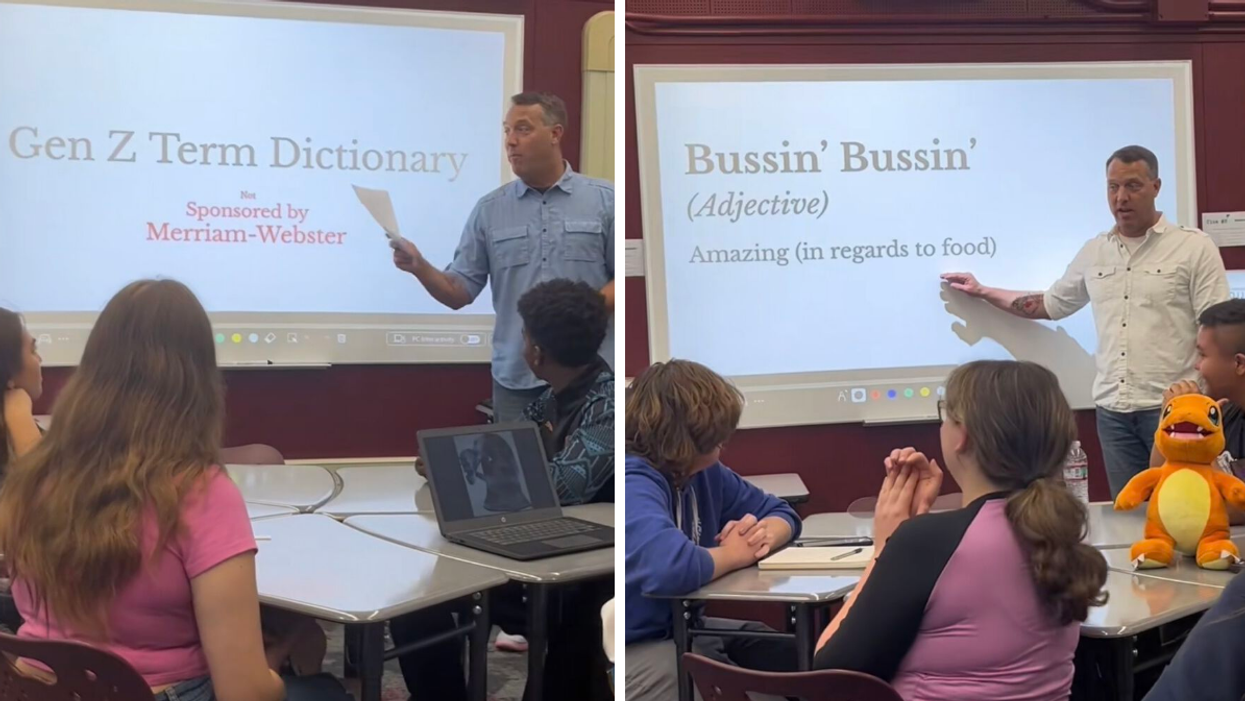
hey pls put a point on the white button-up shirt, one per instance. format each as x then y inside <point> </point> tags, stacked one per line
<point>1146,305</point>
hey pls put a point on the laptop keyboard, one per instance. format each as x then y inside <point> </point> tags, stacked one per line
<point>527,532</point>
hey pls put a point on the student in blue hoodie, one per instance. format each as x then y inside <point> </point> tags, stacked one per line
<point>690,520</point>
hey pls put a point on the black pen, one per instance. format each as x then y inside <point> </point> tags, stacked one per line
<point>857,551</point>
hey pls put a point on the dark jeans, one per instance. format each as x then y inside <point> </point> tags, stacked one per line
<point>1127,439</point>
<point>575,668</point>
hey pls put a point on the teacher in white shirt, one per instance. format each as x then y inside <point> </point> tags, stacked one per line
<point>1147,280</point>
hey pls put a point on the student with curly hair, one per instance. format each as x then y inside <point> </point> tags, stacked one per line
<point>564,323</point>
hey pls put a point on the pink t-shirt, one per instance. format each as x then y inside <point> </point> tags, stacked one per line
<point>152,620</point>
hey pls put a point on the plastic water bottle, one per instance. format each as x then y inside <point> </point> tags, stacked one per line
<point>1076,472</point>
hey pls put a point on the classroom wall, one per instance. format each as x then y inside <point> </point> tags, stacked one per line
<point>840,463</point>
<point>365,411</point>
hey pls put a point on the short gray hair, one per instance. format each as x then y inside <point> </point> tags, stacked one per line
<point>551,105</point>
<point>1132,154</point>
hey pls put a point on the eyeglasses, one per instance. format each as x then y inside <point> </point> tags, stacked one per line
<point>942,410</point>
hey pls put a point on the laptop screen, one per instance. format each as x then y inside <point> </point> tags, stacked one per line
<point>492,472</point>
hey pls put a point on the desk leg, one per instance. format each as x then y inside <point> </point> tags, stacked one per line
<point>351,652</point>
<point>477,670</point>
<point>1122,659</point>
<point>682,643</point>
<point>538,640</point>
<point>805,636</point>
<point>371,664</point>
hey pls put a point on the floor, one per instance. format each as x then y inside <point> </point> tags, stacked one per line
<point>507,671</point>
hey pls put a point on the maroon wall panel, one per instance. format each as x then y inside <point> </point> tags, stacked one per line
<point>840,463</point>
<point>363,411</point>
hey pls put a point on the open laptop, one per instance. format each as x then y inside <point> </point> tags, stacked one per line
<point>493,492</point>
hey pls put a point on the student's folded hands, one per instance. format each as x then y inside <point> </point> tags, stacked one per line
<point>928,477</point>
<point>764,535</point>
<point>894,503</point>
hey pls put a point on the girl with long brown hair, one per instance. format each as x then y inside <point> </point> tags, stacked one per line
<point>120,530</point>
<point>21,377</point>
<point>983,602</point>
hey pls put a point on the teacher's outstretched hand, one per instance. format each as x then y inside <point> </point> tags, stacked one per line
<point>1029,305</point>
<point>406,256</point>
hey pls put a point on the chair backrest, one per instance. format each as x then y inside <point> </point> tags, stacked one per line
<point>722,682</point>
<point>948,502</point>
<point>83,673</point>
<point>253,454</point>
<point>863,507</point>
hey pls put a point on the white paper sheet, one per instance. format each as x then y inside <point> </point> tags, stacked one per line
<point>634,257</point>
<point>380,207</point>
<point>1226,228</point>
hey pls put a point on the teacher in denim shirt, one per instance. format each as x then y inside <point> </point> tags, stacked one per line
<point>549,223</point>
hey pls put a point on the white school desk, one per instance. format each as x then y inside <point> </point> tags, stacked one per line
<point>316,566</point>
<point>839,524</point>
<point>1139,628</point>
<point>786,486</point>
<point>803,591</point>
<point>1108,528</point>
<point>1136,603</point>
<point>421,532</point>
<point>379,489</point>
<point>261,511</point>
<point>1182,569</point>
<point>300,487</point>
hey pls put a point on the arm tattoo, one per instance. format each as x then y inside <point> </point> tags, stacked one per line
<point>1030,306</point>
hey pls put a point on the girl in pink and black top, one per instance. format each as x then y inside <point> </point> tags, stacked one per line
<point>983,603</point>
<point>119,528</point>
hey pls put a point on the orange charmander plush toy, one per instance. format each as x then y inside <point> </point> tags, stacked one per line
<point>1187,493</point>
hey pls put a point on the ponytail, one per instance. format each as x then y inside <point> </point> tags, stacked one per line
<point>1051,524</point>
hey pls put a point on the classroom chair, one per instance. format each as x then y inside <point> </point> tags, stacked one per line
<point>253,454</point>
<point>83,673</point>
<point>722,682</point>
<point>864,506</point>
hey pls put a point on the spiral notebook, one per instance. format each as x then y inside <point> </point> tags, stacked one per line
<point>840,558</point>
